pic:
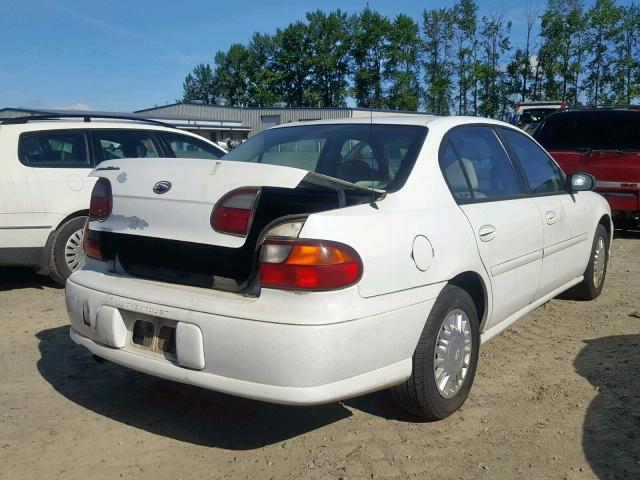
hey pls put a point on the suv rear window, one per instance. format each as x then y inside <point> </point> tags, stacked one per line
<point>62,148</point>
<point>591,130</point>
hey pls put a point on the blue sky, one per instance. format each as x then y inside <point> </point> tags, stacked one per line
<point>126,55</point>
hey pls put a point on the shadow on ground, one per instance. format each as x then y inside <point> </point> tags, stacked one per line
<point>611,437</point>
<point>181,412</point>
<point>15,278</point>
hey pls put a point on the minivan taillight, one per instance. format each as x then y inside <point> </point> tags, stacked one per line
<point>233,212</point>
<point>101,200</point>
<point>308,265</point>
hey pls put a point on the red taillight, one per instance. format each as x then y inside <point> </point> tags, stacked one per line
<point>233,212</point>
<point>91,242</point>
<point>308,265</point>
<point>101,200</point>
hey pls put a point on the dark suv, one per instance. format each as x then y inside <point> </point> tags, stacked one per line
<point>604,142</point>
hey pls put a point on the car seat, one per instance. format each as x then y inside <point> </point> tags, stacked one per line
<point>356,171</point>
<point>134,149</point>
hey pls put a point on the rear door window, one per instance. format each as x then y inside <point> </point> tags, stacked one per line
<point>484,163</point>
<point>116,144</point>
<point>183,146</point>
<point>63,148</point>
<point>541,172</point>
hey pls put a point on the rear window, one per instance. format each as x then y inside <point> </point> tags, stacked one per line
<point>53,149</point>
<point>535,115</point>
<point>591,130</point>
<point>183,146</point>
<point>377,156</point>
<point>115,144</point>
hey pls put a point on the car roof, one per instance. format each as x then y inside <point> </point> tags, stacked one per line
<point>64,124</point>
<point>415,120</point>
<point>613,108</point>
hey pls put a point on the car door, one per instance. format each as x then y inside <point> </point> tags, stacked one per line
<point>506,223</point>
<point>562,213</point>
<point>50,182</point>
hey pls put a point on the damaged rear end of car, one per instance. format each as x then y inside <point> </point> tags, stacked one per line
<point>194,225</point>
<point>209,273</point>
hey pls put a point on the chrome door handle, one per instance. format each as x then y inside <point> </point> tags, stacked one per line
<point>551,218</point>
<point>487,233</point>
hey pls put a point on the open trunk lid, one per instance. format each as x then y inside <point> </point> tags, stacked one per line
<point>166,234</point>
<point>194,186</point>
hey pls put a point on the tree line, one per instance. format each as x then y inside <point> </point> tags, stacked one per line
<point>450,60</point>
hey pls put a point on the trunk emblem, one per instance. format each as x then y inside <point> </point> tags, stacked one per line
<point>162,187</point>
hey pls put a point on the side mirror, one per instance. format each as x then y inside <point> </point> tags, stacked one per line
<point>580,182</point>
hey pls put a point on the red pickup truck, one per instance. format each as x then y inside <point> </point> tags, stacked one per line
<point>604,142</point>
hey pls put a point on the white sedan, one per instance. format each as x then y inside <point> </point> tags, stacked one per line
<point>324,260</point>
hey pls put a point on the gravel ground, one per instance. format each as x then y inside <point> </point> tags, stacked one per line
<point>555,396</point>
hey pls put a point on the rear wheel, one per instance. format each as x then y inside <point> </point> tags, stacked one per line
<point>445,360</point>
<point>67,254</point>
<point>596,271</point>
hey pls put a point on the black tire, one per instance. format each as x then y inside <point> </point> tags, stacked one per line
<point>59,270</point>
<point>419,395</point>
<point>589,289</point>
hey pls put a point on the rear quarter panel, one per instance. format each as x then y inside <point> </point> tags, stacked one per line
<point>384,236</point>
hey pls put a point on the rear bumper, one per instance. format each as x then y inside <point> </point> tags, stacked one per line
<point>314,395</point>
<point>298,364</point>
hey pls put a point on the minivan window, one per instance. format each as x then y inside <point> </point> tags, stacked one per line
<point>53,149</point>
<point>115,144</point>
<point>183,146</point>
<point>541,172</point>
<point>378,156</point>
<point>485,164</point>
<point>591,130</point>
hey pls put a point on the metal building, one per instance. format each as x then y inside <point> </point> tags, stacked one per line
<point>250,120</point>
<point>224,124</point>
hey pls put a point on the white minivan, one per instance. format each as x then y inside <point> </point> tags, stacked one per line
<point>44,186</point>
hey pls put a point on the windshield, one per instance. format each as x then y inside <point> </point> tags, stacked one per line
<point>375,156</point>
<point>591,130</point>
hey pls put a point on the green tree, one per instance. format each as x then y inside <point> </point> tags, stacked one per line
<point>437,29</point>
<point>368,48</point>
<point>520,69</point>
<point>198,86</point>
<point>551,34</point>
<point>603,23</point>
<point>626,65</point>
<point>231,76</point>
<point>465,26</point>
<point>493,90</point>
<point>328,62</point>
<point>291,63</point>
<point>264,81</point>
<point>402,66</point>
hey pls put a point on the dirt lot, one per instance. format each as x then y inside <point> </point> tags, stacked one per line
<point>556,396</point>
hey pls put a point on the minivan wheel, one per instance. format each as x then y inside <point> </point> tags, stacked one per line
<point>445,360</point>
<point>67,254</point>
<point>596,271</point>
